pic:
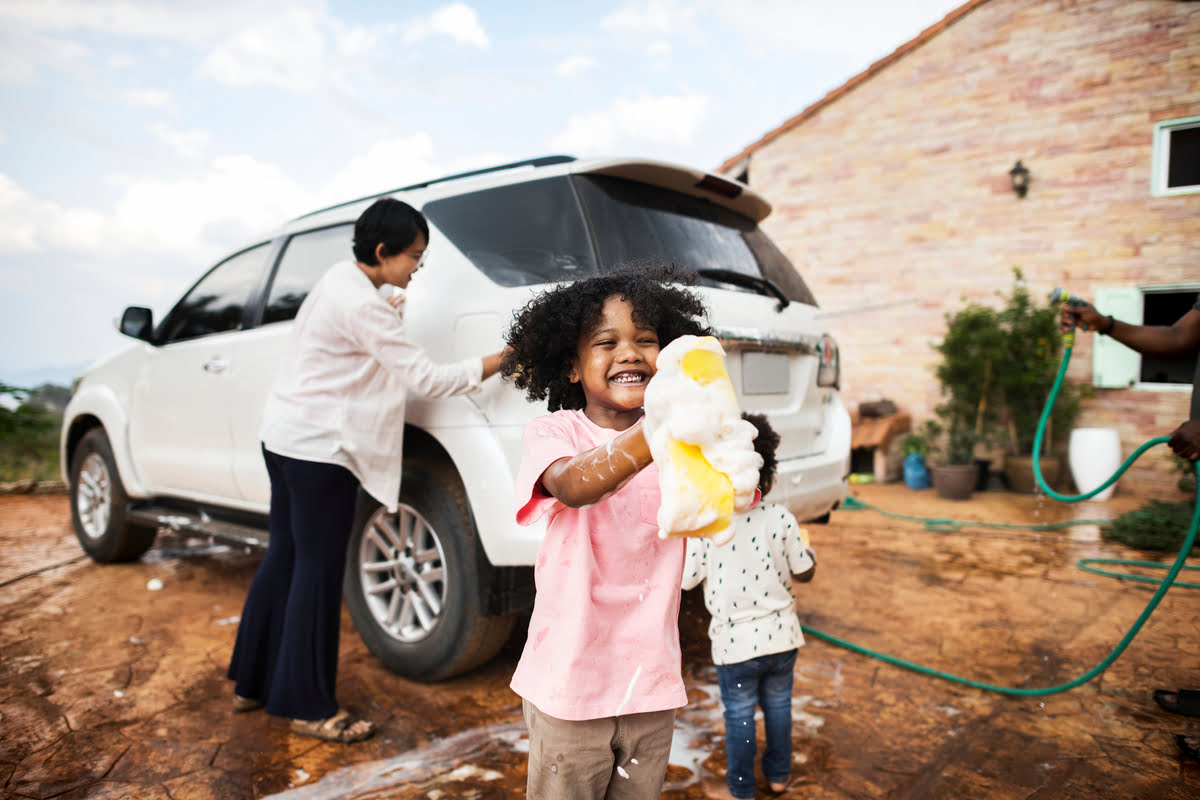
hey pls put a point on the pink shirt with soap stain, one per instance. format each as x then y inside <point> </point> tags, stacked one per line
<point>604,636</point>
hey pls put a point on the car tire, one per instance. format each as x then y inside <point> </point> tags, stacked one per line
<point>100,506</point>
<point>413,583</point>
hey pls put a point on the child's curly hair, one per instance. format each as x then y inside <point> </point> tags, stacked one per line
<point>544,335</point>
<point>764,444</point>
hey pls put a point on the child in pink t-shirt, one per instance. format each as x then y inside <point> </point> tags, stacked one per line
<point>600,674</point>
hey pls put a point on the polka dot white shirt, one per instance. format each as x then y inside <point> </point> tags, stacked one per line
<point>748,584</point>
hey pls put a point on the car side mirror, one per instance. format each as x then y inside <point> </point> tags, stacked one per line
<point>137,322</point>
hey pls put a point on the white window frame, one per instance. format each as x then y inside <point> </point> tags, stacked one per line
<point>1161,158</point>
<point>1115,366</point>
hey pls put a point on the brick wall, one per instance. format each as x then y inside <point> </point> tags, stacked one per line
<point>892,196</point>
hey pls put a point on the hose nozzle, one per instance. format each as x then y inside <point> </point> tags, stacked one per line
<point>1060,295</point>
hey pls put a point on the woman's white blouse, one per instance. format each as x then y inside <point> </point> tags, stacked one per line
<point>343,380</point>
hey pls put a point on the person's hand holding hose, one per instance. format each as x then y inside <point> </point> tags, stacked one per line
<point>1185,440</point>
<point>1083,314</point>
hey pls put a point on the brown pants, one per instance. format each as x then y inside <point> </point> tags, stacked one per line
<point>613,758</point>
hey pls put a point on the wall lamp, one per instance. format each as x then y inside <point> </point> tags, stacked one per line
<point>1019,175</point>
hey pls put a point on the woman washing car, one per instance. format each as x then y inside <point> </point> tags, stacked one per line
<point>333,422</point>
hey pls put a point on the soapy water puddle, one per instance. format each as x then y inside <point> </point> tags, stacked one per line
<point>482,756</point>
<point>171,545</point>
<point>446,759</point>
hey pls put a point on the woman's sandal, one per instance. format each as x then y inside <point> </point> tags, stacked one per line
<point>341,727</point>
<point>1183,701</point>
<point>243,704</point>
<point>1187,748</point>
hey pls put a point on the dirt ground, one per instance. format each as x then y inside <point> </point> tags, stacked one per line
<point>111,687</point>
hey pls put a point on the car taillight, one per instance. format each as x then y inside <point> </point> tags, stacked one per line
<point>830,368</point>
<point>719,186</point>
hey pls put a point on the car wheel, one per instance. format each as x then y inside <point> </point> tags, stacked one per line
<point>100,507</point>
<point>413,583</point>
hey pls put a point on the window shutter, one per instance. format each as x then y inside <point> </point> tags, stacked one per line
<point>1115,366</point>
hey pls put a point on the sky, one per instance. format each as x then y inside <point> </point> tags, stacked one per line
<point>143,140</point>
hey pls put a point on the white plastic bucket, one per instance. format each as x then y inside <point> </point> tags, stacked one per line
<point>1094,455</point>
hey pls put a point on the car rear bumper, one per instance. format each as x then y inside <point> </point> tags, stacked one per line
<point>809,486</point>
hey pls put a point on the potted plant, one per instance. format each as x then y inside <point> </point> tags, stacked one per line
<point>968,414</point>
<point>1032,352</point>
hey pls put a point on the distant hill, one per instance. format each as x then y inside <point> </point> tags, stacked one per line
<point>56,376</point>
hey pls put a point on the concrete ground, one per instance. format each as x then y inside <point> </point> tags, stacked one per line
<point>113,688</point>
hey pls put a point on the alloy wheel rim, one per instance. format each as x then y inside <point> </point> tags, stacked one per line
<point>93,496</point>
<point>403,574</point>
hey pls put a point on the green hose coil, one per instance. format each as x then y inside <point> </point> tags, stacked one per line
<point>944,525</point>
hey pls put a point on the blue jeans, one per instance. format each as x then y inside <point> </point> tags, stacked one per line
<point>767,682</point>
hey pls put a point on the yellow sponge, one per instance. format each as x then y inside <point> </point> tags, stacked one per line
<point>704,449</point>
<point>710,490</point>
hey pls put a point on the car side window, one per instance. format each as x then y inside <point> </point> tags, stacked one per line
<point>306,257</point>
<point>519,235</point>
<point>218,300</point>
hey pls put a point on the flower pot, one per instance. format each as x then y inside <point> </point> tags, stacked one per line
<point>916,474</point>
<point>954,481</point>
<point>1094,454</point>
<point>1018,472</point>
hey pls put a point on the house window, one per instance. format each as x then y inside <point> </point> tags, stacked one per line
<point>1116,366</point>
<point>1176,164</point>
<point>1164,308</point>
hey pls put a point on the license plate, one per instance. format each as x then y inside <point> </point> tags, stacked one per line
<point>765,373</point>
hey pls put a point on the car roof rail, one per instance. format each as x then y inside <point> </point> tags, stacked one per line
<point>540,161</point>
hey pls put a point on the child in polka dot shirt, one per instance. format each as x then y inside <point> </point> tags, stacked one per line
<point>754,629</point>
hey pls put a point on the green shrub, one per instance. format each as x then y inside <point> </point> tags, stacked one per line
<point>28,439</point>
<point>967,414</point>
<point>1158,525</point>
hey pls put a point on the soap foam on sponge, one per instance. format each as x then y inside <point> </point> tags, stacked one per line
<point>704,449</point>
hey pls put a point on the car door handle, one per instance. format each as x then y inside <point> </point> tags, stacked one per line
<point>217,365</point>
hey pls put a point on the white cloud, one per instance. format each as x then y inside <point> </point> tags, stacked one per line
<point>289,53</point>
<point>573,65</point>
<point>385,165</point>
<point>21,52</point>
<point>874,29</point>
<point>357,41</point>
<point>656,120</point>
<point>652,18</point>
<point>189,219</point>
<point>457,20</point>
<point>216,206</point>
<point>19,212</point>
<point>150,98</point>
<point>36,32</point>
<point>186,144</point>
<point>659,49</point>
<point>197,23</point>
<point>237,195</point>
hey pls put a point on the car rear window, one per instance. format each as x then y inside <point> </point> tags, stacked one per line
<point>535,232</point>
<point>633,221</point>
<point>521,234</point>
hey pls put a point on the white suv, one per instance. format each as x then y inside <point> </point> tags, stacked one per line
<point>165,434</point>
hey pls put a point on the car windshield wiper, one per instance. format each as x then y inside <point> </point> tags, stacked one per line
<point>760,285</point>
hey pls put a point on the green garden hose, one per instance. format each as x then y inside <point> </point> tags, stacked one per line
<point>950,525</point>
